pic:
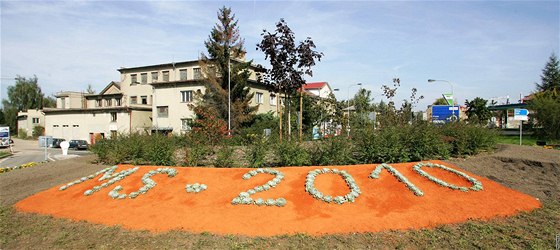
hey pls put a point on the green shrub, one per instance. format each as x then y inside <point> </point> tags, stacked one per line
<point>380,146</point>
<point>22,134</point>
<point>159,150</point>
<point>38,131</point>
<point>336,150</point>
<point>194,154</point>
<point>467,139</point>
<point>224,157</point>
<point>101,149</point>
<point>424,142</point>
<point>256,151</point>
<point>261,122</point>
<point>292,153</point>
<point>404,143</point>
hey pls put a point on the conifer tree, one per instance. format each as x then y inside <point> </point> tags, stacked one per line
<point>226,54</point>
<point>550,78</point>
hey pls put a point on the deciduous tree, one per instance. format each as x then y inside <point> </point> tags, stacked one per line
<point>477,111</point>
<point>25,94</point>
<point>289,62</point>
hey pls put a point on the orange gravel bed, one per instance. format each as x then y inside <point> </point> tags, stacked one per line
<point>385,203</point>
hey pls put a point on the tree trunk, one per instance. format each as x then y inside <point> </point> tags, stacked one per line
<point>289,117</point>
<point>301,114</point>
<point>279,108</point>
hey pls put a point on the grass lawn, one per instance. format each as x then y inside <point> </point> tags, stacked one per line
<point>4,154</point>
<point>514,139</point>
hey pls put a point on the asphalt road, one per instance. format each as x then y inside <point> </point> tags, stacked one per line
<point>26,151</point>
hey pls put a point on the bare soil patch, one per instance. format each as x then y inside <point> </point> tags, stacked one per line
<point>531,170</point>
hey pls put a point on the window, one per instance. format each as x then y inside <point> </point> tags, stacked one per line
<point>162,111</point>
<point>186,96</point>
<point>113,134</point>
<point>118,101</point>
<point>272,100</point>
<point>99,103</point>
<point>133,100</point>
<point>76,126</point>
<point>133,79</point>
<point>144,99</point>
<point>197,73</point>
<point>55,126</point>
<point>113,116</point>
<point>64,126</point>
<point>166,76</point>
<point>35,120</point>
<point>108,102</point>
<point>155,76</point>
<point>62,103</point>
<point>186,124</point>
<point>259,97</point>
<point>144,78</point>
<point>183,74</point>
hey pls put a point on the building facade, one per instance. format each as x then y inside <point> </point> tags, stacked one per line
<point>27,120</point>
<point>147,99</point>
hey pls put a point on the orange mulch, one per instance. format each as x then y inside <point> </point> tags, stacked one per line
<point>384,204</point>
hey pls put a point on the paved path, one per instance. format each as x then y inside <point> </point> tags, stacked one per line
<point>26,151</point>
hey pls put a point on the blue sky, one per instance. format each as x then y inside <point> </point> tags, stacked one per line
<point>486,48</point>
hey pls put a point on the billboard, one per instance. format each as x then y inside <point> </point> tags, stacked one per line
<point>444,113</point>
<point>4,136</point>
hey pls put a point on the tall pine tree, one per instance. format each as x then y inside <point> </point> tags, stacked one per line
<point>550,78</point>
<point>227,53</point>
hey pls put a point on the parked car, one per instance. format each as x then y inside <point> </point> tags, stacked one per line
<point>79,144</point>
<point>56,142</point>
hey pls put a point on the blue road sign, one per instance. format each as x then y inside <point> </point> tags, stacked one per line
<point>521,112</point>
<point>444,113</point>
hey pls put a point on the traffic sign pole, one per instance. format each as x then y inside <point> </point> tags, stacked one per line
<point>520,133</point>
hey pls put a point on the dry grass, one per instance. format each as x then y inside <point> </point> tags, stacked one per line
<point>533,230</point>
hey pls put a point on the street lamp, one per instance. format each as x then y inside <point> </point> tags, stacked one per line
<point>229,97</point>
<point>452,94</point>
<point>348,107</point>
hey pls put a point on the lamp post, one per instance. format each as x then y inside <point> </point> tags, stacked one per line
<point>229,97</point>
<point>452,94</point>
<point>348,107</point>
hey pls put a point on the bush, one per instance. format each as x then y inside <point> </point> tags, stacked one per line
<point>424,142</point>
<point>194,154</point>
<point>159,150</point>
<point>385,145</point>
<point>337,150</point>
<point>224,157</point>
<point>22,134</point>
<point>261,122</point>
<point>38,131</point>
<point>292,153</point>
<point>136,149</point>
<point>256,151</point>
<point>467,139</point>
<point>546,106</point>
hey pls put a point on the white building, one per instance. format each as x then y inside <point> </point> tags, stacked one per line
<point>27,120</point>
<point>147,98</point>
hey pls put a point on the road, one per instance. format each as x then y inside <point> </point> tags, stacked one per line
<point>26,151</point>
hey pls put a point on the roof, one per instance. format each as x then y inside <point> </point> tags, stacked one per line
<point>116,84</point>
<point>97,109</point>
<point>174,64</point>
<point>314,85</point>
<point>508,106</point>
